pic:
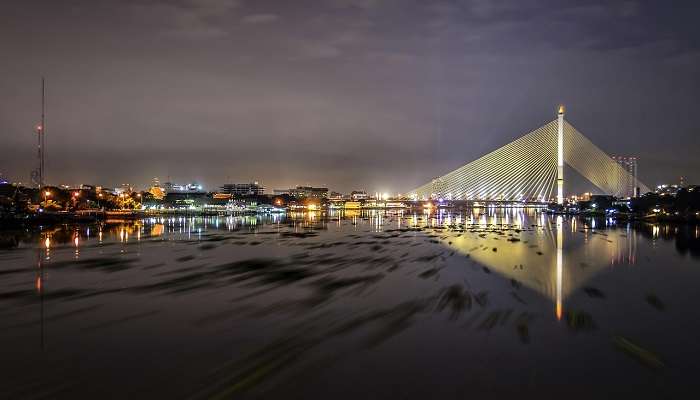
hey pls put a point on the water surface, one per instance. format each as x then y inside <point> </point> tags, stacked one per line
<point>485,303</point>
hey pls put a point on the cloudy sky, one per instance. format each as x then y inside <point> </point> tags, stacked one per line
<point>374,94</point>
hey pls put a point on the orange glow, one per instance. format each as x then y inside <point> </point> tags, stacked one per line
<point>559,311</point>
<point>38,283</point>
<point>47,243</point>
<point>76,241</point>
<point>47,193</point>
<point>76,194</point>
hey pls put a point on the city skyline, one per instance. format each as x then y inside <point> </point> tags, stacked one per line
<point>367,98</point>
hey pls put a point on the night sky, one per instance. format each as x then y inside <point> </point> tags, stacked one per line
<point>379,95</point>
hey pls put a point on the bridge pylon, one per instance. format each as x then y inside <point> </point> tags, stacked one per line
<point>560,155</point>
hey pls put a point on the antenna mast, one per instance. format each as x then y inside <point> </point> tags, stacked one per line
<point>42,133</point>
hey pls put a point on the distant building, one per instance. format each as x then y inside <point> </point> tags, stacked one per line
<point>667,190</point>
<point>182,188</point>
<point>335,196</point>
<point>186,199</point>
<point>309,192</point>
<point>359,195</point>
<point>243,189</point>
<point>629,185</point>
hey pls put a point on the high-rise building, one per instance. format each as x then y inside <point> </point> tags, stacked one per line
<point>629,187</point>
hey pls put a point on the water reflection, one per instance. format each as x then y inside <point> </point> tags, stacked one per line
<point>344,284</point>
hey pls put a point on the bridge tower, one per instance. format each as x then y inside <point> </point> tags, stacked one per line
<point>560,156</point>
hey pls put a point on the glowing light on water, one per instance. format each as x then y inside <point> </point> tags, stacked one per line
<point>560,261</point>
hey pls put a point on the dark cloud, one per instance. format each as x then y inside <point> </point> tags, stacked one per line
<point>380,94</point>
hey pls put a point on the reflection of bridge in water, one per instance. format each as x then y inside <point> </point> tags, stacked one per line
<point>553,256</point>
<point>531,168</point>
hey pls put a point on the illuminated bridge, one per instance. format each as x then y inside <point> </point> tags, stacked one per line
<point>531,168</point>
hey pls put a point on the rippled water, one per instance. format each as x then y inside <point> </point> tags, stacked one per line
<point>487,303</point>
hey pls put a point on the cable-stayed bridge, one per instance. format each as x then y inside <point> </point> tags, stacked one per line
<point>531,168</point>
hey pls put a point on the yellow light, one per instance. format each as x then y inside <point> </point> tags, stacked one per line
<point>47,193</point>
<point>76,241</point>
<point>47,242</point>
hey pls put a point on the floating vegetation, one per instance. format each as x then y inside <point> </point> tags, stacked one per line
<point>593,292</point>
<point>482,299</point>
<point>634,350</point>
<point>429,273</point>
<point>655,302</point>
<point>490,321</point>
<point>522,327</point>
<point>518,298</point>
<point>457,299</point>
<point>579,321</point>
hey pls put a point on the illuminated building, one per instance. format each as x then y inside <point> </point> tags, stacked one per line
<point>243,189</point>
<point>629,181</point>
<point>182,188</point>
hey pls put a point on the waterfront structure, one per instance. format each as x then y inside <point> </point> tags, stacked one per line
<point>629,183</point>
<point>531,168</point>
<point>243,189</point>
